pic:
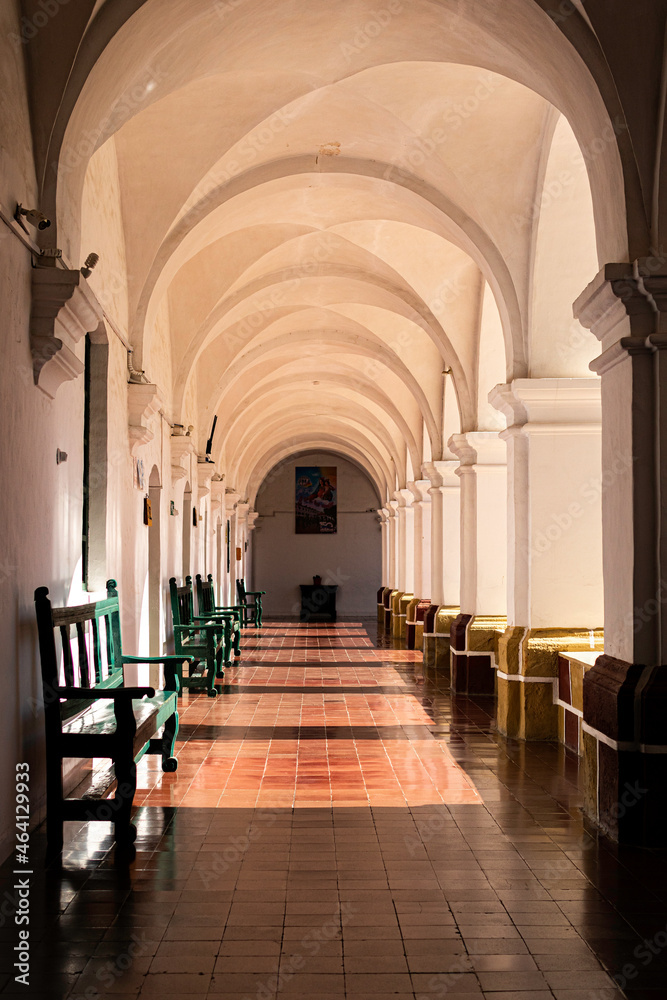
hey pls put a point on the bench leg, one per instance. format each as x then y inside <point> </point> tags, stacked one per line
<point>126,776</point>
<point>169,762</point>
<point>227,646</point>
<point>258,612</point>
<point>213,664</point>
<point>54,803</point>
<point>237,642</point>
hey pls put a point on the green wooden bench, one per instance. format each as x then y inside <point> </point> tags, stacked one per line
<point>203,640</point>
<point>90,713</point>
<point>252,610</point>
<point>208,609</point>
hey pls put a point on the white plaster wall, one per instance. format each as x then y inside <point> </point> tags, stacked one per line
<point>40,502</point>
<point>351,558</point>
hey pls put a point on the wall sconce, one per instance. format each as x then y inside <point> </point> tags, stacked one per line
<point>89,263</point>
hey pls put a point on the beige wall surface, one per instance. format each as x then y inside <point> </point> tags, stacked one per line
<point>351,558</point>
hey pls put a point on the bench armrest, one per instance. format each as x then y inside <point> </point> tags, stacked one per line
<point>171,680</point>
<point>113,694</point>
<point>226,615</point>
<point>197,628</point>
<point>172,658</point>
<point>255,593</point>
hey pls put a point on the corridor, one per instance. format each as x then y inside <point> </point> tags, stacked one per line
<point>341,825</point>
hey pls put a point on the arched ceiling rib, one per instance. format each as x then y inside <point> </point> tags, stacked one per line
<point>300,209</point>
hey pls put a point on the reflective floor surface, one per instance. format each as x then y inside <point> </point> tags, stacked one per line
<point>341,825</point>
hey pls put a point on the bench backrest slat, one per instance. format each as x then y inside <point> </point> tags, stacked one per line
<point>97,656</point>
<point>61,664</point>
<point>84,672</point>
<point>68,665</point>
<point>205,595</point>
<point>240,590</point>
<point>182,602</point>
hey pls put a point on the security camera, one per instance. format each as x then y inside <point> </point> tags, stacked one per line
<point>34,217</point>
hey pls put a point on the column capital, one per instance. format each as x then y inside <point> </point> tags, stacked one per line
<point>205,473</point>
<point>252,519</point>
<point>392,508</point>
<point>547,403</point>
<point>242,509</point>
<point>403,498</point>
<point>419,489</point>
<point>479,448</point>
<point>384,514</point>
<point>217,492</point>
<point>616,305</point>
<point>231,496</point>
<point>182,452</point>
<point>439,473</point>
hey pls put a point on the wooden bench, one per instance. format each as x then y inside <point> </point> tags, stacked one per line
<point>208,609</point>
<point>203,640</point>
<point>252,610</point>
<point>90,713</point>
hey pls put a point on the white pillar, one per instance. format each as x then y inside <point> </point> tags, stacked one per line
<point>554,492</point>
<point>405,517</point>
<point>421,506</point>
<point>242,511</point>
<point>392,514</point>
<point>384,531</point>
<point>445,532</point>
<point>231,499</point>
<point>483,474</point>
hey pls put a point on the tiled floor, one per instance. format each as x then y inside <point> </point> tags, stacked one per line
<point>340,825</point>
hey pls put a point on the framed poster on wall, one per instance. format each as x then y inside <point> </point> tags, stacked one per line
<point>315,500</point>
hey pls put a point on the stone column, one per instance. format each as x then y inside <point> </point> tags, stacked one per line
<point>248,565</point>
<point>625,693</point>
<point>231,499</point>
<point>483,615</point>
<point>420,603</point>
<point>218,511</point>
<point>242,511</point>
<point>384,590</point>
<point>392,576</point>
<point>445,493</point>
<point>554,549</point>
<point>405,562</point>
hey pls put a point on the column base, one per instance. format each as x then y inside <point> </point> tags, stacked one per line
<point>388,599</point>
<point>416,611</point>
<point>625,750</point>
<point>400,622</point>
<point>395,623</point>
<point>474,653</point>
<point>436,641</point>
<point>380,605</point>
<point>534,702</point>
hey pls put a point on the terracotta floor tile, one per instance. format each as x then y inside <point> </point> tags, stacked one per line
<point>340,816</point>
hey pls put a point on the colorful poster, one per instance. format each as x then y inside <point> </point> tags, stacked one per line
<point>315,506</point>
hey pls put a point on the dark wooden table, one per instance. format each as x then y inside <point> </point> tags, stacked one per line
<point>318,601</point>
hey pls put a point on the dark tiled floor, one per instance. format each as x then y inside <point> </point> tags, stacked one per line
<point>341,826</point>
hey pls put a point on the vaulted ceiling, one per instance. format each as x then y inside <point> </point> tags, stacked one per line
<point>336,225</point>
